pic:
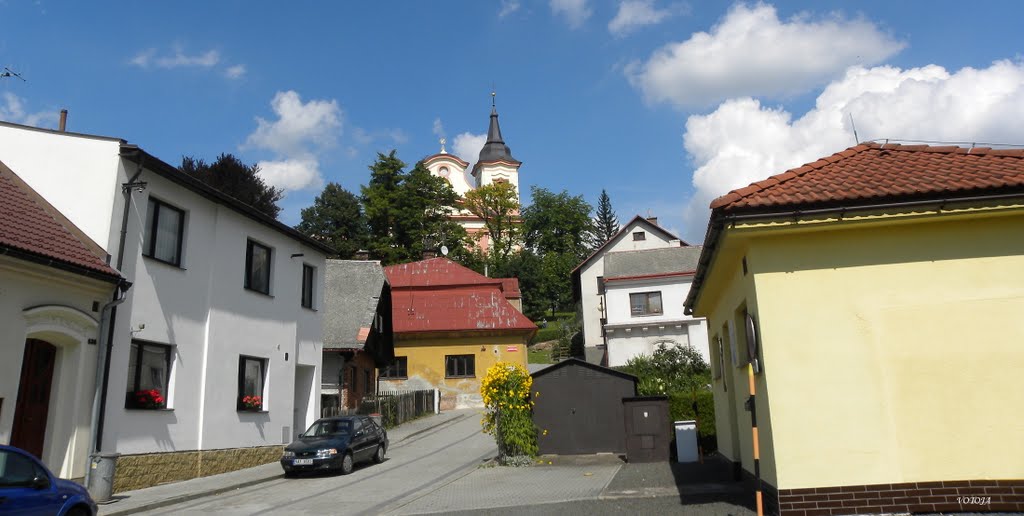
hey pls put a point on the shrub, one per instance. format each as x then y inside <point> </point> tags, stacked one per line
<point>506,394</point>
<point>681,408</point>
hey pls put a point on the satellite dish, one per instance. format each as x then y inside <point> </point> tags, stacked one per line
<point>752,343</point>
<point>444,250</point>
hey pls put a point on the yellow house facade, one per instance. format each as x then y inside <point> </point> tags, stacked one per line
<point>450,325</point>
<point>885,287</point>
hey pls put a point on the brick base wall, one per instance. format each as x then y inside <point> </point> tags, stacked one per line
<point>911,497</point>
<point>150,469</point>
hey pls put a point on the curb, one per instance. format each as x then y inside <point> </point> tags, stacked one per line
<point>247,483</point>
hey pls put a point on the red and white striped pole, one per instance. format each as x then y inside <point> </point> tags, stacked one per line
<point>757,447</point>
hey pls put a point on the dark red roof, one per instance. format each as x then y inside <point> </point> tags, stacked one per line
<point>30,224</point>
<point>872,173</point>
<point>439,295</point>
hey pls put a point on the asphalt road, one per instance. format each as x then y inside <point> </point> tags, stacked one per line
<point>413,469</point>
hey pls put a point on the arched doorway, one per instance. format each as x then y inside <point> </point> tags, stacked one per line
<point>33,402</point>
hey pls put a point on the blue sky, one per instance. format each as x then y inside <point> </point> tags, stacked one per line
<point>666,104</point>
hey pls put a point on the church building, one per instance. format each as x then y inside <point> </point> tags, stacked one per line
<point>495,164</point>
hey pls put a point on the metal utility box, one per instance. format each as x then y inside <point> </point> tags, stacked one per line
<point>578,408</point>
<point>647,429</point>
<point>686,441</point>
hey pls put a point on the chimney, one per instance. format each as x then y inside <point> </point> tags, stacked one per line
<point>362,254</point>
<point>653,220</point>
<point>63,120</point>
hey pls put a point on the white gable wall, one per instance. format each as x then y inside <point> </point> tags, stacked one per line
<point>590,300</point>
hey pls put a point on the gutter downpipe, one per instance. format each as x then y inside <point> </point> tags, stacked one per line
<point>106,331</point>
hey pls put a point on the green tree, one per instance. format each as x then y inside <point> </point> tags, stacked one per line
<point>336,219</point>
<point>229,175</point>
<point>669,370</point>
<point>607,223</point>
<point>558,223</point>
<point>407,212</point>
<point>498,205</point>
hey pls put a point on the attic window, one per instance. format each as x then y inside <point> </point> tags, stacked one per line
<point>639,235</point>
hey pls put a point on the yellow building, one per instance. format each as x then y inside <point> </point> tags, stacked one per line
<point>450,325</point>
<point>885,289</point>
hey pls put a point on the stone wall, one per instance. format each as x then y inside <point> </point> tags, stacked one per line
<point>150,469</point>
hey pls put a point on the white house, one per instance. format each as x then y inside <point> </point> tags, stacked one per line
<point>588,277</point>
<point>644,294</point>
<point>56,293</point>
<point>224,308</point>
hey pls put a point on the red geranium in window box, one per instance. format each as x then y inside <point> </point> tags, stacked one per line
<point>252,402</point>
<point>149,399</point>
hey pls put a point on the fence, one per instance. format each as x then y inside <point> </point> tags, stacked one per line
<point>395,407</point>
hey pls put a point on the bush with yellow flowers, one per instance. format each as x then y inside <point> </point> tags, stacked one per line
<point>506,393</point>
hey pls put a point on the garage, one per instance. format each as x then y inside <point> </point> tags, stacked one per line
<point>578,408</point>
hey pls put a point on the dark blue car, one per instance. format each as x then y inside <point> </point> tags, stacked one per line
<point>335,443</point>
<point>27,487</point>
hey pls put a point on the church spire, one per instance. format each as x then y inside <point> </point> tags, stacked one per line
<point>495,148</point>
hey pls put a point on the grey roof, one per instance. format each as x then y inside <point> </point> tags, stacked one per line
<point>351,293</point>
<point>651,262</point>
<point>495,148</point>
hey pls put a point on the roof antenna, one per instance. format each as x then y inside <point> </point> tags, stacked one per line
<point>856,140</point>
<point>10,73</point>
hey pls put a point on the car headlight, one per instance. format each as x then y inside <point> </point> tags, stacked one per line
<point>323,454</point>
<point>288,455</point>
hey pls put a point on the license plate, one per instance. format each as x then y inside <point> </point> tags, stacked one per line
<point>302,462</point>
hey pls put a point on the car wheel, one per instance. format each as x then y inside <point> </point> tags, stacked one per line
<point>379,456</point>
<point>78,511</point>
<point>346,463</point>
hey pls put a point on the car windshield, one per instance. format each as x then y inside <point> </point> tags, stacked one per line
<point>329,427</point>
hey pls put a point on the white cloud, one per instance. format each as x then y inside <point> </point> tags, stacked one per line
<point>634,14</point>
<point>508,7</point>
<point>299,126</point>
<point>177,59</point>
<point>235,72</point>
<point>13,110</point>
<point>743,141</point>
<point>467,146</point>
<point>300,132</point>
<point>753,53</point>
<point>438,128</point>
<point>292,174</point>
<point>575,11</point>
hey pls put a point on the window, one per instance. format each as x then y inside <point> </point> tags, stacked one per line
<point>456,366</point>
<point>165,226</point>
<point>639,235</point>
<point>257,267</point>
<point>17,470</point>
<point>600,284</point>
<point>251,374</point>
<point>149,368</point>
<point>645,303</point>
<point>398,369</point>
<point>308,272</point>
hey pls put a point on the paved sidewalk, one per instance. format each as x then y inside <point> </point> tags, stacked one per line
<point>141,500</point>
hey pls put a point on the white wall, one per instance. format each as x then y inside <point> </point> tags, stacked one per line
<point>203,310</point>
<point>76,174</point>
<point>630,335</point>
<point>487,174</point>
<point>456,174</point>
<point>589,297</point>
<point>55,306</point>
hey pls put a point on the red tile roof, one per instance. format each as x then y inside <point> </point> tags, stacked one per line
<point>31,225</point>
<point>439,295</point>
<point>871,173</point>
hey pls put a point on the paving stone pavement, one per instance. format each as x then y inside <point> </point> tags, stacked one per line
<point>503,487</point>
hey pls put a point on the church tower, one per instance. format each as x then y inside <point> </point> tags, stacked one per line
<point>495,163</point>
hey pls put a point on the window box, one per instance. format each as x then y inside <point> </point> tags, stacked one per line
<point>251,380</point>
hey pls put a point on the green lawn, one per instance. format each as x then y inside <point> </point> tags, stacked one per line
<point>539,356</point>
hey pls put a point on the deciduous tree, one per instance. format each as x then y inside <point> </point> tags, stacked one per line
<point>498,205</point>
<point>233,177</point>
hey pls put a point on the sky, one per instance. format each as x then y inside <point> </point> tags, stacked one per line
<point>664,104</point>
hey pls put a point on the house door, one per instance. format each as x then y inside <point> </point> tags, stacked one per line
<point>33,396</point>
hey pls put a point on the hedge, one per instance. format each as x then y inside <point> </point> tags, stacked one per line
<point>680,407</point>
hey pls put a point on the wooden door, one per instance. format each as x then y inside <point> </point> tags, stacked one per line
<point>33,396</point>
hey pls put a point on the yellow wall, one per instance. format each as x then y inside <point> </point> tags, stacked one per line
<point>426,359</point>
<point>892,349</point>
